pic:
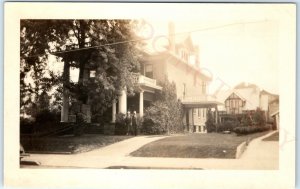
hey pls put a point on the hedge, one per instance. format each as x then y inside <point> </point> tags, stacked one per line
<point>228,125</point>
<point>251,129</point>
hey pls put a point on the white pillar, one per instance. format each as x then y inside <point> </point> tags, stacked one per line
<point>114,111</point>
<point>141,106</point>
<point>65,106</point>
<point>123,102</point>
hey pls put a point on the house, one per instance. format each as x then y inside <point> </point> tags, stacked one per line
<point>244,98</point>
<point>274,111</point>
<point>178,63</point>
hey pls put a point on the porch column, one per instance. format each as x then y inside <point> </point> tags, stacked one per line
<point>65,98</point>
<point>123,102</point>
<point>65,106</point>
<point>114,111</point>
<point>141,105</point>
<point>216,114</point>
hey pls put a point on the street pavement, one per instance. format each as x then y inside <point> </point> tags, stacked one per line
<point>259,155</point>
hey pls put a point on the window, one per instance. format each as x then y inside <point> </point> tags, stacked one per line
<point>149,71</point>
<point>184,89</point>
<point>92,73</point>
<point>199,113</point>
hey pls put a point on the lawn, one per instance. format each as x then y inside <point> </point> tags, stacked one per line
<point>211,145</point>
<point>273,137</point>
<point>68,144</point>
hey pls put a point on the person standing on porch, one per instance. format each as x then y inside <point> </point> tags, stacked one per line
<point>134,123</point>
<point>128,123</point>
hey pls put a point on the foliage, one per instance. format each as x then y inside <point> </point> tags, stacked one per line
<point>165,114</point>
<point>259,118</point>
<point>120,125</point>
<point>210,122</point>
<point>228,125</point>
<point>246,120</point>
<point>45,121</point>
<point>81,123</point>
<point>69,42</point>
<point>26,125</point>
<point>249,130</point>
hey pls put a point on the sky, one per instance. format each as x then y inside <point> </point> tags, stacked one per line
<point>237,44</point>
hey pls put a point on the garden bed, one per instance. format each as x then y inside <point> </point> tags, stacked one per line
<point>211,145</point>
<point>68,143</point>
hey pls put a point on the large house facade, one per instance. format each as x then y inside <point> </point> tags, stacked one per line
<point>178,63</point>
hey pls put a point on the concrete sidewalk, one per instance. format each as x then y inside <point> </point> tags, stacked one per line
<point>258,155</point>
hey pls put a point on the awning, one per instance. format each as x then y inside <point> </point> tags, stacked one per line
<point>201,104</point>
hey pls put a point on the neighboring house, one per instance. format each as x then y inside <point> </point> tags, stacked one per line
<point>244,98</point>
<point>274,111</point>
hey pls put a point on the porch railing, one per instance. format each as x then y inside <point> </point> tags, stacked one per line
<point>138,79</point>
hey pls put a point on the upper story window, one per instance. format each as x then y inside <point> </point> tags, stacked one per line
<point>184,55</point>
<point>92,73</point>
<point>149,71</point>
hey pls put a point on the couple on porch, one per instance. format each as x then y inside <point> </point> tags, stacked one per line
<point>131,123</point>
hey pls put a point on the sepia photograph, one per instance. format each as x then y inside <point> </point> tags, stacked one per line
<point>192,87</point>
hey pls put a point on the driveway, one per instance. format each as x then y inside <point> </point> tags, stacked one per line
<point>258,155</point>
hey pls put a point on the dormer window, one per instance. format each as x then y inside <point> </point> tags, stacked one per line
<point>149,71</point>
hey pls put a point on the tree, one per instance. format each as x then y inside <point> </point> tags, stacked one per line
<point>259,117</point>
<point>87,45</point>
<point>210,123</point>
<point>165,114</point>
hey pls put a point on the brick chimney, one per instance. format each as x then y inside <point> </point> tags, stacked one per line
<point>172,37</point>
<point>197,59</point>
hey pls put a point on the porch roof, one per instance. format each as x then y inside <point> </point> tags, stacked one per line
<point>201,104</point>
<point>200,101</point>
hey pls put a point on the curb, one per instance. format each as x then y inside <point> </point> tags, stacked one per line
<point>240,149</point>
<point>243,146</point>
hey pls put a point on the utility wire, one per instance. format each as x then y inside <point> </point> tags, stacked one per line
<point>145,39</point>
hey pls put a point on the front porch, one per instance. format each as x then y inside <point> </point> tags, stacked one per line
<point>196,109</point>
<point>145,89</point>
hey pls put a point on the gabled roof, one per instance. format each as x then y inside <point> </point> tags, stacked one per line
<point>249,95</point>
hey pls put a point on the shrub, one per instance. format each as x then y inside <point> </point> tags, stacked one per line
<point>165,114</point>
<point>246,120</point>
<point>228,125</point>
<point>149,127</point>
<point>120,125</point>
<point>210,122</point>
<point>81,123</point>
<point>26,125</point>
<point>45,121</point>
<point>249,130</point>
<point>259,117</point>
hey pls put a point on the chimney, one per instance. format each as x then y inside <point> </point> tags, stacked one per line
<point>171,37</point>
<point>196,49</point>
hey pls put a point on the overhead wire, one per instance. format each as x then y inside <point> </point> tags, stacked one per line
<point>145,39</point>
